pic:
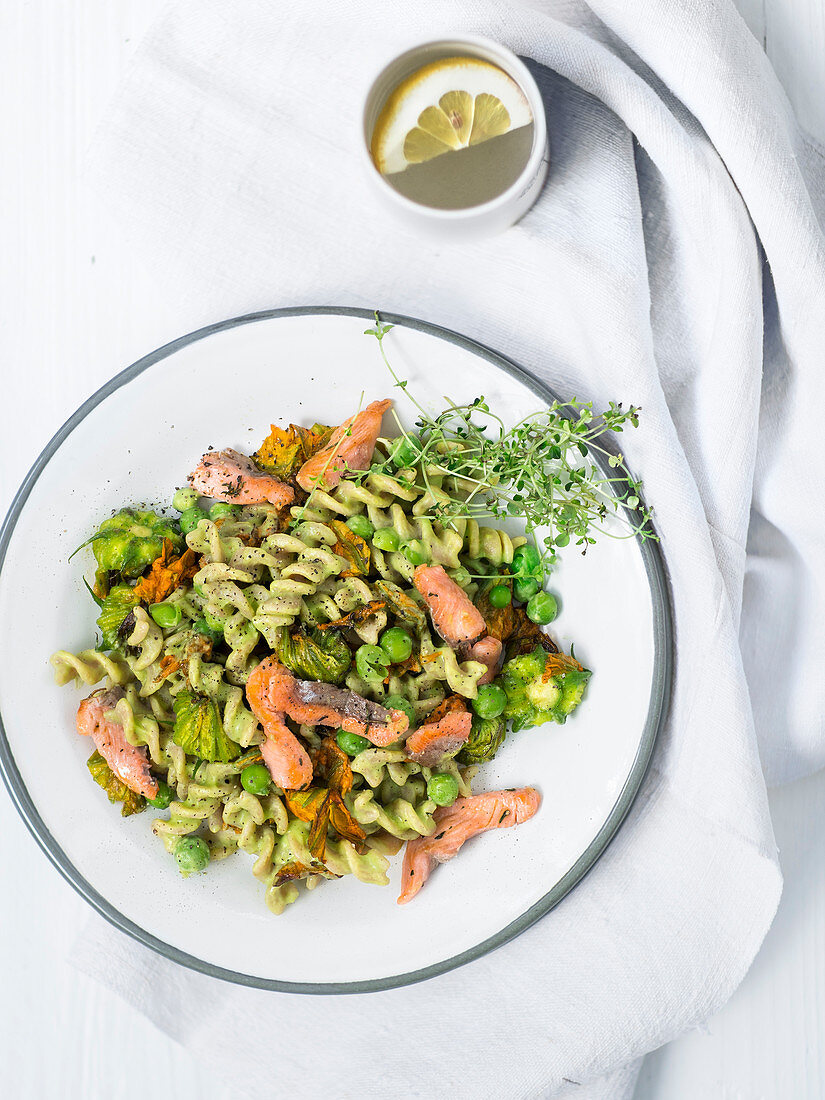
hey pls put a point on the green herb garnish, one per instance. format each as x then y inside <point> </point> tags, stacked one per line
<point>542,469</point>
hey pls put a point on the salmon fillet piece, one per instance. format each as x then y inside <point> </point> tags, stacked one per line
<point>285,757</point>
<point>429,742</point>
<point>234,478</point>
<point>130,763</point>
<point>466,818</point>
<point>454,615</point>
<point>350,447</point>
<point>317,704</point>
<point>487,651</point>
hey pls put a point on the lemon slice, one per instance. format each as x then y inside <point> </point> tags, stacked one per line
<point>446,105</point>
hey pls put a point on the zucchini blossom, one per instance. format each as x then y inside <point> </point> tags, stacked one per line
<point>129,542</point>
<point>542,687</point>
<point>315,655</point>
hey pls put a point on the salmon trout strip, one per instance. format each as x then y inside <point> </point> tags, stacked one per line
<point>350,448</point>
<point>455,617</point>
<point>319,704</point>
<point>456,824</point>
<point>430,742</point>
<point>284,755</point>
<point>234,478</point>
<point>130,763</point>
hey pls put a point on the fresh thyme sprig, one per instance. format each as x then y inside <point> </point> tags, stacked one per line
<point>542,469</point>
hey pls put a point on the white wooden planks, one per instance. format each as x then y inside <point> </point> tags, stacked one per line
<point>66,322</point>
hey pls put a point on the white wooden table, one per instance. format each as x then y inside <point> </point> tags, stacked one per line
<point>71,313</point>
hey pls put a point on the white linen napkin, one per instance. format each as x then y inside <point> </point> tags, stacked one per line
<point>228,157</point>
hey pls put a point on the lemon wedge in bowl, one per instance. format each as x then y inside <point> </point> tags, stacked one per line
<point>446,105</point>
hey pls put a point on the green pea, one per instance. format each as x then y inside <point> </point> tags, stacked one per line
<point>500,596</point>
<point>351,743</point>
<point>220,510</point>
<point>371,663</point>
<point>398,702</point>
<point>526,559</point>
<point>361,526</point>
<point>406,452</point>
<point>190,519</point>
<point>185,498</point>
<point>525,587</point>
<point>256,779</point>
<point>192,854</point>
<point>166,615</point>
<point>490,701</point>
<point>442,789</point>
<point>542,608</point>
<point>386,539</point>
<point>415,552</point>
<point>163,797</point>
<point>397,644</point>
<point>201,626</point>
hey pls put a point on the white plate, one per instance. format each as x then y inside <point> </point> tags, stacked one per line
<point>133,443</point>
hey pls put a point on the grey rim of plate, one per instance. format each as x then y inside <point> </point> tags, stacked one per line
<point>656,715</point>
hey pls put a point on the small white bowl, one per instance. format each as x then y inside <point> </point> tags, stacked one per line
<point>465,223</point>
